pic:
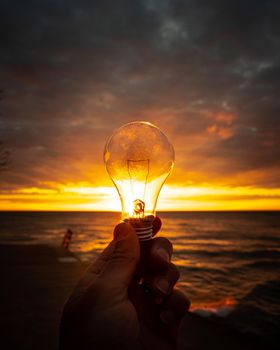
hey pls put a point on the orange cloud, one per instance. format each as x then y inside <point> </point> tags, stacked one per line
<point>224,118</point>
<point>222,132</point>
<point>222,128</point>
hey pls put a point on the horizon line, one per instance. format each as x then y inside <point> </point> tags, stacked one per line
<point>159,211</point>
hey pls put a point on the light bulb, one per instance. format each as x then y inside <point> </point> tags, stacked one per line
<point>139,158</point>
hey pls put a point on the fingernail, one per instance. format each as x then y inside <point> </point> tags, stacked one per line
<point>163,285</point>
<point>163,254</point>
<point>122,230</point>
<point>168,317</point>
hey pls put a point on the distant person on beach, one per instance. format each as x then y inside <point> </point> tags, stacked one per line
<point>112,307</point>
<point>67,239</point>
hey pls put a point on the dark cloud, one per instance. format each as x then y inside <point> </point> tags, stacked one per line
<point>73,71</point>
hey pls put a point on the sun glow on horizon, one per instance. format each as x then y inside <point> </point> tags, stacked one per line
<point>84,197</point>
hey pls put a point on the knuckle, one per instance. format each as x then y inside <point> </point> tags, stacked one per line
<point>182,298</point>
<point>174,271</point>
<point>163,242</point>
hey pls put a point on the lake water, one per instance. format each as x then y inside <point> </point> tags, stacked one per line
<point>229,261</point>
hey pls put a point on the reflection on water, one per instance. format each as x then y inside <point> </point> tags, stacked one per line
<point>226,259</point>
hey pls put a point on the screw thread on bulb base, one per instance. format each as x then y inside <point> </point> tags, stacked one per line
<point>142,226</point>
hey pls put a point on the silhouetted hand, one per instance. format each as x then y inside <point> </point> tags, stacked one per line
<point>111,307</point>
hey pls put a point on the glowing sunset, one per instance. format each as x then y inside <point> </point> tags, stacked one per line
<point>215,99</point>
<point>172,198</point>
<point>62,169</point>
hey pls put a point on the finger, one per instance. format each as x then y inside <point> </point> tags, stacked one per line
<point>162,285</point>
<point>156,225</point>
<point>174,308</point>
<point>156,254</point>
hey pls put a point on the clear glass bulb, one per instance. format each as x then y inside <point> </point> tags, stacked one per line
<point>139,158</point>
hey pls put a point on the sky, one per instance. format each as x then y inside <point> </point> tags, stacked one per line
<point>207,73</point>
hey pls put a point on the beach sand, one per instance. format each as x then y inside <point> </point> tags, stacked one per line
<point>35,282</point>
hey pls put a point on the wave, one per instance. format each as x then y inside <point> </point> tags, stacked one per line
<point>263,253</point>
<point>259,311</point>
<point>263,265</point>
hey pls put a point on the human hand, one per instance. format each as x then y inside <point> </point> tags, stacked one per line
<point>111,309</point>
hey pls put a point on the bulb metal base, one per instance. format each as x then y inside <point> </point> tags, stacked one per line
<point>142,226</point>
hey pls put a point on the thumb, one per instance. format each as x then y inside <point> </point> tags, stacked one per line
<point>113,271</point>
<point>122,263</point>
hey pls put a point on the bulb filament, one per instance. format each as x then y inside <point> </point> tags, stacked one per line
<point>138,171</point>
<point>138,208</point>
